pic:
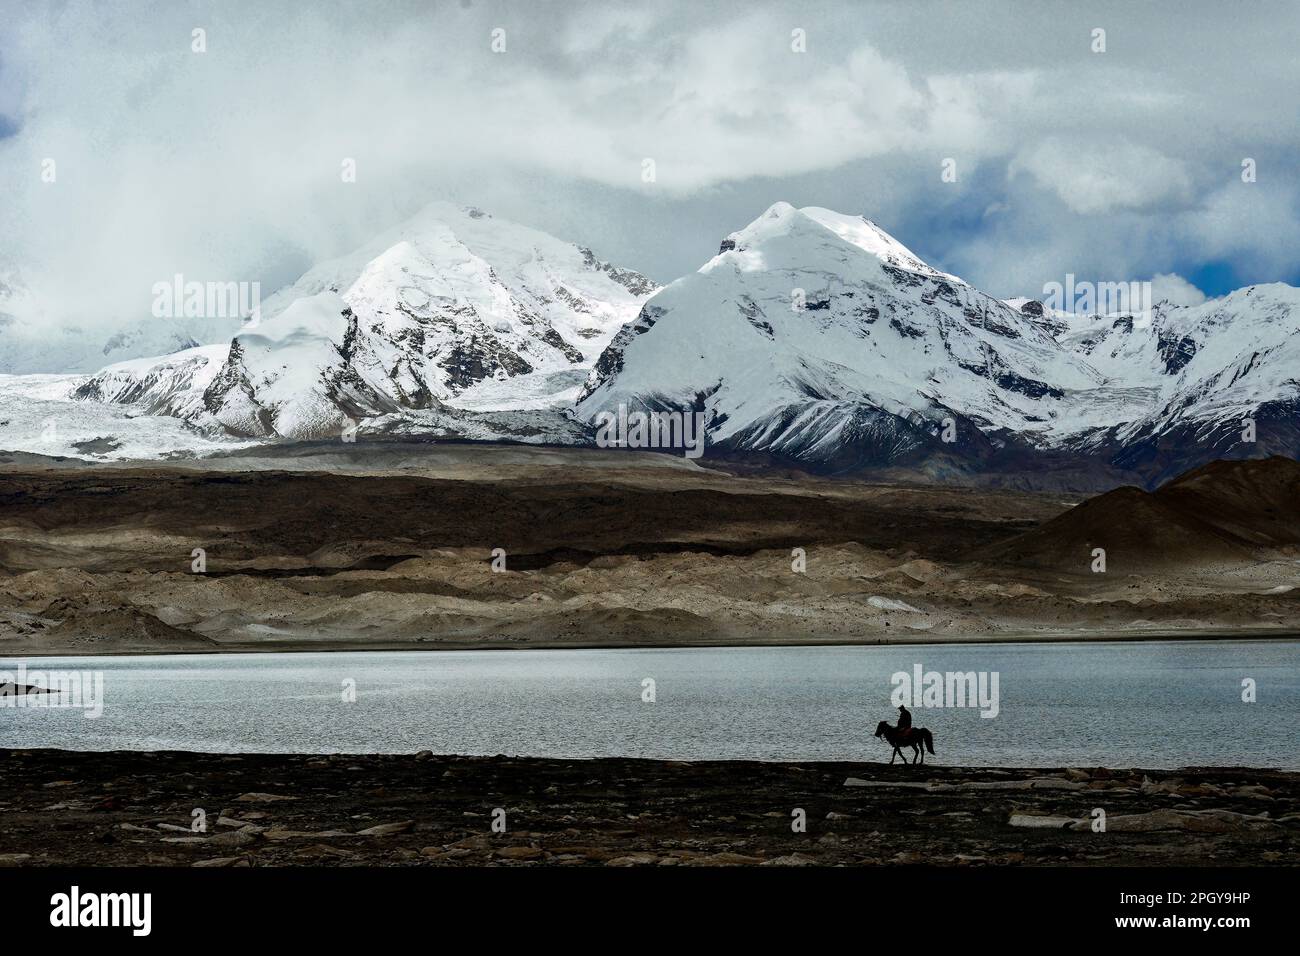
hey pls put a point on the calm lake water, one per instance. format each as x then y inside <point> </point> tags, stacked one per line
<point>1158,704</point>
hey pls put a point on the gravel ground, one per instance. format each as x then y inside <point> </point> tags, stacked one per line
<point>127,808</point>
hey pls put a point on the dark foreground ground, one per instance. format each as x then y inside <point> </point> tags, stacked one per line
<point>64,808</point>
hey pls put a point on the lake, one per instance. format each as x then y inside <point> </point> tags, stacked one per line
<point>1150,704</point>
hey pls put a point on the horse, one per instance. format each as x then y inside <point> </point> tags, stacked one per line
<point>918,737</point>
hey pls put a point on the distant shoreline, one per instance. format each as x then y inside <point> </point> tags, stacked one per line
<point>307,647</point>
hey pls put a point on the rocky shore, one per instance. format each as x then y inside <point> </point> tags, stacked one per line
<point>187,809</point>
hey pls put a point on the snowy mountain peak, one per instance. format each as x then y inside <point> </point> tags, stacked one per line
<point>811,330</point>
<point>453,314</point>
<point>783,222</point>
<point>868,236</point>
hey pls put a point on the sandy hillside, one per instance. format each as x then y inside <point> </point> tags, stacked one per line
<point>391,545</point>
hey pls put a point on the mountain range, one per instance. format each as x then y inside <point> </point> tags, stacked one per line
<point>812,340</point>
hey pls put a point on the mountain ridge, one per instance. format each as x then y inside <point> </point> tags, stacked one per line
<point>812,339</point>
<point>953,374</point>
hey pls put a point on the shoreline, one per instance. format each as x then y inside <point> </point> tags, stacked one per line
<point>120,808</point>
<point>307,647</point>
<point>850,766</point>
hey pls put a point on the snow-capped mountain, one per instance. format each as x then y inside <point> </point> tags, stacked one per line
<point>1202,378</point>
<point>812,337</point>
<point>816,337</point>
<point>455,322</point>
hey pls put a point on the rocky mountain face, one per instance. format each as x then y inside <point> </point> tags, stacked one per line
<point>173,385</point>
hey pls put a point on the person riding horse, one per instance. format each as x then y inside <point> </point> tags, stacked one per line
<point>905,735</point>
<point>904,723</point>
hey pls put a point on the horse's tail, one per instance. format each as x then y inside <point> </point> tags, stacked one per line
<point>928,739</point>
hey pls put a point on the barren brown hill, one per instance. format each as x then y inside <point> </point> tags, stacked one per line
<point>1255,501</point>
<point>1221,514</point>
<point>389,546</point>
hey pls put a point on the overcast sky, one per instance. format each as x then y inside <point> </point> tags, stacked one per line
<point>225,165</point>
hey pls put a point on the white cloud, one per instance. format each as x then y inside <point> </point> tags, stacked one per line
<point>1168,287</point>
<point>1255,221</point>
<point>225,165</point>
<point>1093,178</point>
<point>212,163</point>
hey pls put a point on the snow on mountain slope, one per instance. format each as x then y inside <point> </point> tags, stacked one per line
<point>452,310</point>
<point>882,349</point>
<point>310,372</point>
<point>1176,345</point>
<point>283,377</point>
<point>1226,381</point>
<point>528,261</point>
<point>454,315</point>
<point>1191,372</point>
<point>37,415</point>
<point>867,236</point>
<point>812,337</point>
<point>816,337</point>
<point>173,385</point>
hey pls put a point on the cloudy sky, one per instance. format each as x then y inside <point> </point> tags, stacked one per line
<point>225,165</point>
